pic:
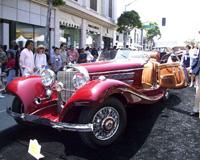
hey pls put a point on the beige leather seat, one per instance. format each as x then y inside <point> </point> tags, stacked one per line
<point>149,75</point>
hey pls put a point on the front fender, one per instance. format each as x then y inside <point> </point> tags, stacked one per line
<point>27,89</point>
<point>95,92</point>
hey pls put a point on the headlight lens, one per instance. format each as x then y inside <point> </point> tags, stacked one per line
<point>48,77</point>
<point>79,80</point>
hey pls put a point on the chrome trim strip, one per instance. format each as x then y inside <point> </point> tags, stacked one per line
<point>141,96</point>
<point>122,76</point>
<point>43,108</point>
<point>125,70</point>
<point>45,121</point>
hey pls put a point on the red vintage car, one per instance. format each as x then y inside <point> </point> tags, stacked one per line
<point>92,98</point>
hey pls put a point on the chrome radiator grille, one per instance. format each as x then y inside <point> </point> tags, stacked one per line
<point>66,78</point>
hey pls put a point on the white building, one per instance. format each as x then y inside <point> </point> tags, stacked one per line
<point>79,22</point>
<point>134,40</point>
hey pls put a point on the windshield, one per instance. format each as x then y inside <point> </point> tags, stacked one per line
<point>122,55</point>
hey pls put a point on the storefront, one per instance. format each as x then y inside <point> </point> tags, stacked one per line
<point>70,30</point>
<point>108,35</point>
<point>70,36</point>
<point>21,32</point>
<point>92,34</point>
<point>107,42</point>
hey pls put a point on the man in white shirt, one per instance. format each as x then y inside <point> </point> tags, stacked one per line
<point>26,60</point>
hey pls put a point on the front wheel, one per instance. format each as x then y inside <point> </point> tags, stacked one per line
<point>18,107</point>
<point>109,122</point>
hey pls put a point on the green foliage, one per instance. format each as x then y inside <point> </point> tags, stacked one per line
<point>128,20</point>
<point>153,32</point>
<point>57,3</point>
<point>191,42</point>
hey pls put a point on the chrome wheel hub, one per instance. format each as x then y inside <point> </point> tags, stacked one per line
<point>108,124</point>
<point>105,123</point>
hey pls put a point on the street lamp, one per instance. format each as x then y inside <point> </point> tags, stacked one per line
<point>129,4</point>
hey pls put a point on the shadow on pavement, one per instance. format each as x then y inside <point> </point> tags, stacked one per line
<point>64,145</point>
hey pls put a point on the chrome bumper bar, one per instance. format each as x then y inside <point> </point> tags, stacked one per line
<point>48,122</point>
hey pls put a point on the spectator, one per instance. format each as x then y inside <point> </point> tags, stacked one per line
<point>105,55</point>
<point>193,60</point>
<point>95,53</point>
<point>1,88</point>
<point>82,56</point>
<point>52,52</point>
<point>26,60</point>
<point>63,54</point>
<point>16,59</point>
<point>56,61</point>
<point>5,48</point>
<point>40,59</point>
<point>11,50</point>
<point>197,97</point>
<point>185,59</point>
<point>89,55</point>
<point>3,58</point>
<point>113,52</point>
<point>47,58</point>
<point>10,70</point>
<point>72,55</point>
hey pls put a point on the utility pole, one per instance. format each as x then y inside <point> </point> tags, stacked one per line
<point>129,4</point>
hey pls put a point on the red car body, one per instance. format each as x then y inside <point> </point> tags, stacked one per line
<point>122,81</point>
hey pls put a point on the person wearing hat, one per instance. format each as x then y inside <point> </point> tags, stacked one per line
<point>40,60</point>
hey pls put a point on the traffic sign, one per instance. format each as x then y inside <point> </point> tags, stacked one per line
<point>148,26</point>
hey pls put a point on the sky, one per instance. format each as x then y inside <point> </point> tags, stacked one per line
<point>182,16</point>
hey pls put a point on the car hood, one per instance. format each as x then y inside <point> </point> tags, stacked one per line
<point>109,66</point>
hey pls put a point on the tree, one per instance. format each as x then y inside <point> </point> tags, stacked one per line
<point>51,4</point>
<point>191,42</point>
<point>127,22</point>
<point>152,32</point>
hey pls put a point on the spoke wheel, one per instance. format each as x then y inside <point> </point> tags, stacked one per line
<point>106,123</point>
<point>109,123</point>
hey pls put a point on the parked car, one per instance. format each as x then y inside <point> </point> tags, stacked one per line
<point>92,98</point>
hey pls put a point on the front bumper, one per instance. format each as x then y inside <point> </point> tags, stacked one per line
<point>48,122</point>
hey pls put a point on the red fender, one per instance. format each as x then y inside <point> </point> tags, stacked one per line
<point>27,89</point>
<point>95,92</point>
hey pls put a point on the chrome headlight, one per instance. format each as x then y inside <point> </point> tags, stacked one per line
<point>80,78</point>
<point>48,77</point>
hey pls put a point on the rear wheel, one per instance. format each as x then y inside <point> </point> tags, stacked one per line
<point>109,122</point>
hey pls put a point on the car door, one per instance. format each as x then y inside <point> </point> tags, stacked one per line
<point>172,75</point>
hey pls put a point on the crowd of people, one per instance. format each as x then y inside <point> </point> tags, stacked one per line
<point>15,62</point>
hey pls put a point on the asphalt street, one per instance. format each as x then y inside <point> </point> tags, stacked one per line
<point>161,131</point>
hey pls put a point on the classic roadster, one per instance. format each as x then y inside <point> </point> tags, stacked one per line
<point>92,98</point>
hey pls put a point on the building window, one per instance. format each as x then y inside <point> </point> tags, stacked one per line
<point>21,32</point>
<point>110,8</point>
<point>93,4</point>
